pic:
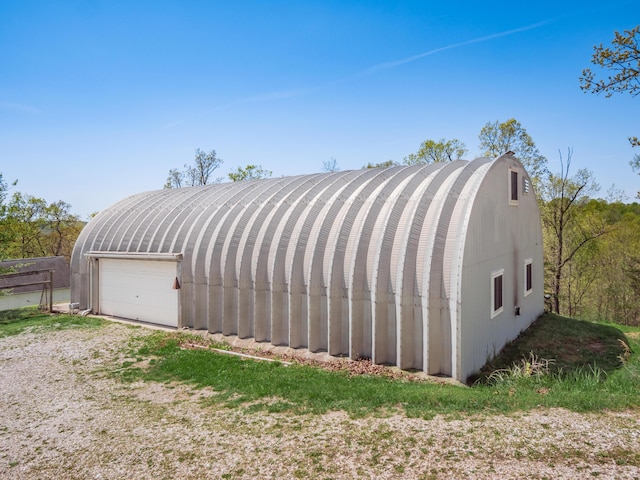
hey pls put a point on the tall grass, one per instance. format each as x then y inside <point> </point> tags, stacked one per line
<point>531,366</point>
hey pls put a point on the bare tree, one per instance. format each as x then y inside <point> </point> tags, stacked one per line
<point>330,165</point>
<point>199,173</point>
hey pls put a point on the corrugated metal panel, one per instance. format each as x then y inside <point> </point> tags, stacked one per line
<point>453,255</point>
<point>370,263</point>
<point>435,334</point>
<point>409,334</point>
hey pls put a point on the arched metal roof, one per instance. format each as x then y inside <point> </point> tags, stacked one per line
<point>354,263</point>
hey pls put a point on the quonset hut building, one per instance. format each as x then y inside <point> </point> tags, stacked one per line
<point>431,267</point>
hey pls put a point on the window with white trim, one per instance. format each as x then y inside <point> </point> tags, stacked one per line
<point>513,186</point>
<point>497,301</point>
<point>528,276</point>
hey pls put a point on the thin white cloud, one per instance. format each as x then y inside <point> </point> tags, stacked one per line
<point>300,92</point>
<point>19,107</point>
<point>270,96</point>
<point>397,63</point>
<point>174,124</point>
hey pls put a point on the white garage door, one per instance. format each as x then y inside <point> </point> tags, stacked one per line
<point>139,290</point>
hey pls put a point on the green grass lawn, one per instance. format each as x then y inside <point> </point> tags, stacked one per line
<point>558,362</point>
<point>30,319</point>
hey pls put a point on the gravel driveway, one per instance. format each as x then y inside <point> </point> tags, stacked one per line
<point>63,416</point>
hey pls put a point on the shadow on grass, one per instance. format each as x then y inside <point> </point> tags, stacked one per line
<point>571,345</point>
<point>19,314</point>
<point>19,320</point>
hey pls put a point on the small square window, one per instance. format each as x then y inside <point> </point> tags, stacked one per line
<point>528,276</point>
<point>497,303</point>
<point>513,186</point>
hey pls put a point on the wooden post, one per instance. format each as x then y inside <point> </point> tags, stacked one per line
<point>51,291</point>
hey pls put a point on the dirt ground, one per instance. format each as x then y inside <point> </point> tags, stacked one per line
<point>64,416</point>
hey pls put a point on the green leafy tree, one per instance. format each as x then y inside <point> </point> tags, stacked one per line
<point>434,152</point>
<point>3,189</point>
<point>4,237</point>
<point>175,179</point>
<point>622,61</point>
<point>498,138</point>
<point>198,173</point>
<point>635,162</point>
<point>32,228</point>
<point>62,230</point>
<point>250,172</point>
<point>387,164</point>
<point>619,277</point>
<point>25,224</point>
<point>613,262</point>
<point>580,273</point>
<point>566,229</point>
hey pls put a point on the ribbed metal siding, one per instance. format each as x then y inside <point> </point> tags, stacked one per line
<point>360,263</point>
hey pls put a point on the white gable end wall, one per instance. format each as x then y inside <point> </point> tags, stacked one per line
<point>500,236</point>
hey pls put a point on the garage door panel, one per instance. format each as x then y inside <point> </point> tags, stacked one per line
<point>140,290</point>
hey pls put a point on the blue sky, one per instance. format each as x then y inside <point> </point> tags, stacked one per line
<point>99,99</point>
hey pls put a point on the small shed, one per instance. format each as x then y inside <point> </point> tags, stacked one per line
<point>32,294</point>
<point>431,267</point>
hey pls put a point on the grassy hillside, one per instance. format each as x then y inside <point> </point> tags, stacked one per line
<point>566,347</point>
<point>558,362</point>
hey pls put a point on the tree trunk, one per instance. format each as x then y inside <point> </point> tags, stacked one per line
<point>558,269</point>
<point>556,293</point>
